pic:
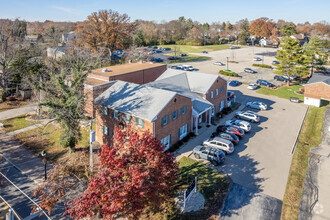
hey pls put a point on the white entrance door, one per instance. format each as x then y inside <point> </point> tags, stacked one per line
<point>222,105</point>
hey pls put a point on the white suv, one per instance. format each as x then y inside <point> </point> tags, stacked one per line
<point>220,143</point>
<point>246,126</point>
<point>248,116</point>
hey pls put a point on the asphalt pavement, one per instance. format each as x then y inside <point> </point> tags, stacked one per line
<point>17,112</point>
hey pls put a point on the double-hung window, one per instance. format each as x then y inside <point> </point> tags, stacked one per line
<point>165,120</point>
<point>175,115</point>
<point>217,92</point>
<point>105,110</point>
<point>211,95</point>
<point>183,131</point>
<point>105,130</point>
<point>139,122</point>
<point>127,118</point>
<point>183,110</point>
<point>115,114</point>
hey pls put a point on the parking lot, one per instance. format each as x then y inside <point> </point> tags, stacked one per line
<point>262,158</point>
<point>244,58</point>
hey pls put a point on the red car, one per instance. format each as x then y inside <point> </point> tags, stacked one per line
<point>171,58</point>
<point>230,129</point>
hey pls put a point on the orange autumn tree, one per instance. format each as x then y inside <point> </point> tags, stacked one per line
<point>134,175</point>
<point>105,30</point>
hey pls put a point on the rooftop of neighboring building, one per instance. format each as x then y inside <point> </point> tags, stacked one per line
<point>94,82</point>
<point>124,68</point>
<point>316,78</point>
<point>141,101</point>
<point>197,82</point>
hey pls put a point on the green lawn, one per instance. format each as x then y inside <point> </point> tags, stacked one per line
<point>196,49</point>
<point>310,137</point>
<point>16,123</point>
<point>48,138</point>
<point>188,58</point>
<point>283,92</point>
<point>210,182</point>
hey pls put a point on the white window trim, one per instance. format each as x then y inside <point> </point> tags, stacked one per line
<point>185,131</point>
<point>217,92</point>
<point>212,95</point>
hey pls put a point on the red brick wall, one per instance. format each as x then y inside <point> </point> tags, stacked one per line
<point>317,91</point>
<point>160,132</point>
<point>173,126</point>
<point>221,96</point>
<point>142,76</point>
<point>90,96</point>
<point>111,123</point>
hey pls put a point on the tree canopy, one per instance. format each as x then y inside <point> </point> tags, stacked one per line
<point>134,175</point>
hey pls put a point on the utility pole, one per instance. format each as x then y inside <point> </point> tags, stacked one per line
<point>227,63</point>
<point>44,160</point>
<point>91,140</point>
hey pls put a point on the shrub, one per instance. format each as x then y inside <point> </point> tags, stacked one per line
<point>186,138</point>
<point>262,65</point>
<point>192,134</point>
<point>3,96</point>
<point>228,73</point>
<point>226,110</point>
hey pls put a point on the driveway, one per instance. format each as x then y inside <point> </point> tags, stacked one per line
<point>17,112</point>
<point>315,201</point>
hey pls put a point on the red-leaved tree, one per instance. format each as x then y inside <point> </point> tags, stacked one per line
<point>134,175</point>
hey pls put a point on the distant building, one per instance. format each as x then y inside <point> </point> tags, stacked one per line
<point>303,39</point>
<point>67,38</point>
<point>32,38</point>
<point>317,90</point>
<point>56,52</point>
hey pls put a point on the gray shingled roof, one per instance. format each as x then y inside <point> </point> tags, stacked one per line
<point>319,78</point>
<point>138,100</point>
<point>179,83</point>
<point>198,82</point>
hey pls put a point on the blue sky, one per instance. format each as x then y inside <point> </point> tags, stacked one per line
<point>297,11</point>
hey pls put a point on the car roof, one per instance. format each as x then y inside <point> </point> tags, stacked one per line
<point>221,140</point>
<point>198,147</point>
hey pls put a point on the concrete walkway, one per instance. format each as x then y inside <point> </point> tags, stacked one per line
<point>315,200</point>
<point>17,112</point>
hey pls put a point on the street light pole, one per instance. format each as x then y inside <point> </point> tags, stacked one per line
<point>91,140</point>
<point>44,160</point>
<point>227,63</point>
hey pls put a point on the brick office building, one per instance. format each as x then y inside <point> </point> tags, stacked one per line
<point>166,114</point>
<point>172,106</point>
<point>317,89</point>
<point>99,80</point>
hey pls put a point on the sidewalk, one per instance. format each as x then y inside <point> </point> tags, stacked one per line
<point>17,112</point>
<point>29,127</point>
<point>203,133</point>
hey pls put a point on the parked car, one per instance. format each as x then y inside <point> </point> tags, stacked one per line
<point>159,51</point>
<point>233,47</point>
<point>188,67</point>
<point>280,78</point>
<point>275,62</point>
<point>204,51</point>
<point>234,130</point>
<point>219,63</point>
<point>234,83</point>
<point>246,126</point>
<point>158,60</point>
<point>171,58</point>
<point>248,116</point>
<point>226,135</point>
<point>252,86</point>
<point>263,82</point>
<point>249,70</point>
<point>257,105</point>
<point>183,55</point>
<point>257,59</point>
<point>166,48</point>
<point>292,78</point>
<point>214,155</point>
<point>220,143</point>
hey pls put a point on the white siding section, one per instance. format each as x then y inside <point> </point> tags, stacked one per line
<point>312,101</point>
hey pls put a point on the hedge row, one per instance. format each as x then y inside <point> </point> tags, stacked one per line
<point>228,73</point>
<point>262,65</point>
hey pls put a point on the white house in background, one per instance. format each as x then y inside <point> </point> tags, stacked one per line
<point>56,52</point>
<point>264,42</point>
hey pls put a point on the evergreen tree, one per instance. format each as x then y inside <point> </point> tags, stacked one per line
<point>139,39</point>
<point>66,100</point>
<point>288,29</point>
<point>317,57</point>
<point>292,59</point>
<point>244,31</point>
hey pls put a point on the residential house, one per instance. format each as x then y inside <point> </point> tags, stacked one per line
<point>317,90</point>
<point>303,39</point>
<point>99,80</point>
<point>67,38</point>
<point>165,114</point>
<point>56,52</point>
<point>32,38</point>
